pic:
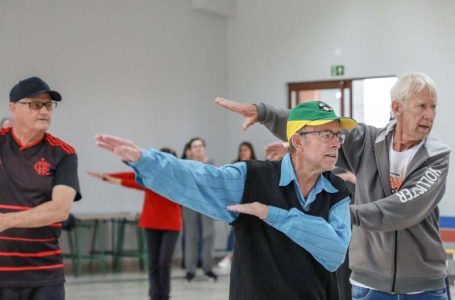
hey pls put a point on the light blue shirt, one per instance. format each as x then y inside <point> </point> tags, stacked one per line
<point>209,190</point>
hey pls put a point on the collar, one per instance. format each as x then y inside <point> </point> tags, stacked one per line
<point>388,129</point>
<point>22,146</point>
<point>288,176</point>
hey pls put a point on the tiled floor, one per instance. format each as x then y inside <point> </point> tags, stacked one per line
<point>134,286</point>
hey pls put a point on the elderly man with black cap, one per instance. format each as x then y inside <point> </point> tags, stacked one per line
<point>38,184</point>
<point>291,217</point>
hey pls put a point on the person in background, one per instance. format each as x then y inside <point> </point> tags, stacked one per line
<point>191,221</point>
<point>245,152</point>
<point>162,221</point>
<point>186,154</point>
<point>6,123</point>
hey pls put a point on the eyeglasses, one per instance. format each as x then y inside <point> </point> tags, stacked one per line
<point>38,105</point>
<point>327,135</point>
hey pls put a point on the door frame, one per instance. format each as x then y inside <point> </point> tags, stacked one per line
<point>341,84</point>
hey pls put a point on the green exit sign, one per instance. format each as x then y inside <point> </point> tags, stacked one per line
<point>337,70</point>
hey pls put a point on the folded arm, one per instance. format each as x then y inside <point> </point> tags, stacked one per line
<point>327,241</point>
<point>416,199</point>
<point>55,210</point>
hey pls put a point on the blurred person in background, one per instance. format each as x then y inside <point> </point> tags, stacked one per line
<point>193,221</point>
<point>162,221</point>
<point>6,123</point>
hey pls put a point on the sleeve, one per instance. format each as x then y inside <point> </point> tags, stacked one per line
<point>351,152</point>
<point>327,241</point>
<point>273,119</point>
<point>417,198</point>
<point>66,174</point>
<point>198,186</point>
<point>123,175</point>
<point>127,179</point>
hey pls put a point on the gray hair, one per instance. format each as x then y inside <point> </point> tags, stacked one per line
<point>410,84</point>
<point>291,148</point>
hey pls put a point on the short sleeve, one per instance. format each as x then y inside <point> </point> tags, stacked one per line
<point>66,174</point>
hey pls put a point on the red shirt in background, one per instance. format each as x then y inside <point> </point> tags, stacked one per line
<point>157,212</point>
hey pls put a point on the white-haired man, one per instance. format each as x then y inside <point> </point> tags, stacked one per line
<point>401,170</point>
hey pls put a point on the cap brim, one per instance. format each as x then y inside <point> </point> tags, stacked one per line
<point>54,94</point>
<point>347,123</point>
<point>293,126</point>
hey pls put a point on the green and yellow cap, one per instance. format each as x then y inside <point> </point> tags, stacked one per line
<point>314,113</point>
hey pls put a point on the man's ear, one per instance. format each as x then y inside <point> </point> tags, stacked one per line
<point>296,141</point>
<point>12,107</point>
<point>397,107</point>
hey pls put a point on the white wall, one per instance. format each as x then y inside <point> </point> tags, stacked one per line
<point>274,42</point>
<point>144,69</point>
<point>149,69</point>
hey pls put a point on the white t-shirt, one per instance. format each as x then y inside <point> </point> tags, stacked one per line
<point>399,162</point>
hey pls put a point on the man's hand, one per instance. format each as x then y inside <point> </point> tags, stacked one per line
<point>249,111</point>
<point>120,147</point>
<point>105,177</point>
<point>256,209</point>
<point>348,176</point>
<point>96,174</point>
<point>276,150</point>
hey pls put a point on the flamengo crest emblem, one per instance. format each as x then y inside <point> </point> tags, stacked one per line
<point>42,167</point>
<point>325,106</point>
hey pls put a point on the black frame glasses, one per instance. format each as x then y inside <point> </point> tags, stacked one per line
<point>35,105</point>
<point>327,135</point>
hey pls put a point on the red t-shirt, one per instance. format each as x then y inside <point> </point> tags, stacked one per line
<point>157,212</point>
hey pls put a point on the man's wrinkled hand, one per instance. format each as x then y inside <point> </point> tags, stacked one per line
<point>276,150</point>
<point>255,209</point>
<point>249,111</point>
<point>123,148</point>
<point>95,174</point>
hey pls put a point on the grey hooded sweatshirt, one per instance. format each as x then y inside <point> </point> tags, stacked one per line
<point>395,245</point>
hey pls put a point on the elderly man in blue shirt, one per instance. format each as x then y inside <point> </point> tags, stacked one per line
<point>291,217</point>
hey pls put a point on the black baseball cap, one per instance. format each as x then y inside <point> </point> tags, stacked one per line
<point>31,87</point>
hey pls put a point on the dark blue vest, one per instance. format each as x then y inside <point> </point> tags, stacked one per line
<point>267,264</point>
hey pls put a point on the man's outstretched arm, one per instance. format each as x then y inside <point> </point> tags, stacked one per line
<point>272,118</point>
<point>201,187</point>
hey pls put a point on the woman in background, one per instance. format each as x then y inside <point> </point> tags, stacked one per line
<point>162,221</point>
<point>193,222</point>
